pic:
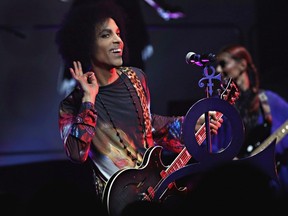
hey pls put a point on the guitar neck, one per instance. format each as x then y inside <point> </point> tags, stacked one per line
<point>184,156</point>
<point>279,134</point>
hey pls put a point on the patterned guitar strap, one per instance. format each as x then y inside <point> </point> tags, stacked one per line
<point>141,94</point>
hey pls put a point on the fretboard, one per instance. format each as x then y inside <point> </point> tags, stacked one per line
<point>184,156</point>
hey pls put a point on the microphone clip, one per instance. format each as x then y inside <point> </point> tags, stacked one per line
<point>200,59</point>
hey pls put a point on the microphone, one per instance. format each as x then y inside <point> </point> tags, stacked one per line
<point>199,59</point>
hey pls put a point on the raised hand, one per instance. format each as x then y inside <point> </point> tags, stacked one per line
<point>87,81</point>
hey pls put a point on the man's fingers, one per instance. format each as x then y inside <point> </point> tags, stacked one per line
<point>79,66</point>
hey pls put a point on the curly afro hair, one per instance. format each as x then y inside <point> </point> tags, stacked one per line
<point>76,34</point>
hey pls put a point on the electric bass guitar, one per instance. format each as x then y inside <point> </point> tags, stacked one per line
<point>279,134</point>
<point>130,185</point>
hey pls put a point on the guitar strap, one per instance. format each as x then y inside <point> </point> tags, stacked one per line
<point>143,100</point>
<point>265,107</point>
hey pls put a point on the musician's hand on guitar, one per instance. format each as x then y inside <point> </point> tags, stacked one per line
<point>215,122</point>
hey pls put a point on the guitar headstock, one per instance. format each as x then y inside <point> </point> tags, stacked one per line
<point>230,91</point>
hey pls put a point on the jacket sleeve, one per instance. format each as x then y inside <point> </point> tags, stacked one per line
<point>167,132</point>
<point>279,107</point>
<point>77,127</point>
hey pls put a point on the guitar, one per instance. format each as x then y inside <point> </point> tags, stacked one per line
<point>279,134</point>
<point>130,185</point>
<point>254,138</point>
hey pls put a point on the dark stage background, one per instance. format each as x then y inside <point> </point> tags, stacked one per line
<point>31,152</point>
